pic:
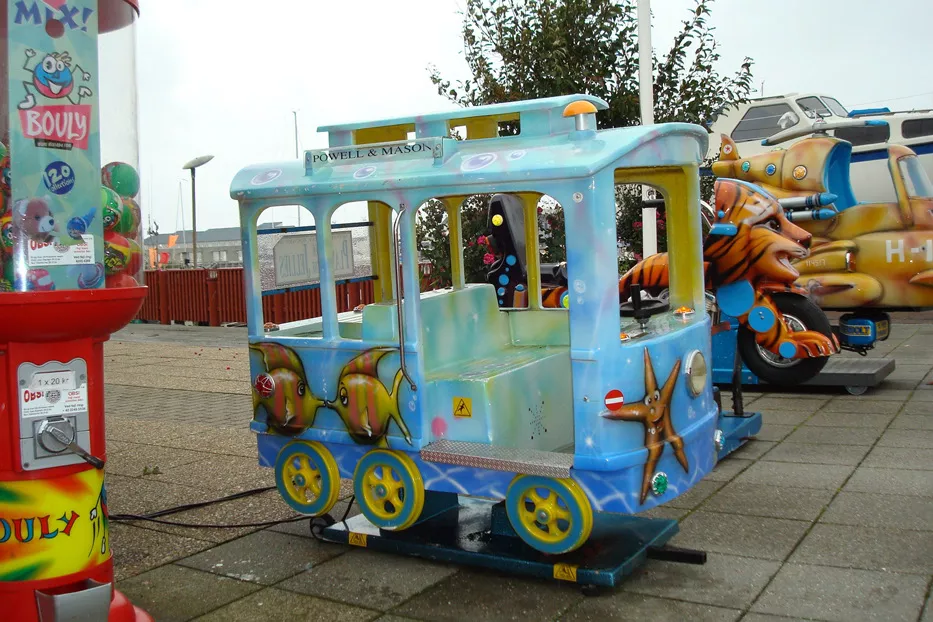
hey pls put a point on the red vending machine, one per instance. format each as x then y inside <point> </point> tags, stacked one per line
<point>71,275</point>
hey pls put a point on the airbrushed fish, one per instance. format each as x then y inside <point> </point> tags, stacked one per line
<point>364,403</point>
<point>283,390</point>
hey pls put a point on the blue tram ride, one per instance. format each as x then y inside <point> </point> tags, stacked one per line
<point>560,413</point>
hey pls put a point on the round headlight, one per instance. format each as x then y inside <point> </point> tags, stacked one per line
<point>696,371</point>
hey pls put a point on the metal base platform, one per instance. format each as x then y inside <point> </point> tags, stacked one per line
<point>737,430</point>
<point>856,375</point>
<point>476,532</point>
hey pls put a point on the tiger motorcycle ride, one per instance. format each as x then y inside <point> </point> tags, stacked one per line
<point>866,259</point>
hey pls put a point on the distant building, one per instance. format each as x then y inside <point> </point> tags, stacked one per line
<point>217,248</point>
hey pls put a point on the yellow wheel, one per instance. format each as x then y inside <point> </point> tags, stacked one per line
<point>551,515</point>
<point>389,489</point>
<point>307,477</point>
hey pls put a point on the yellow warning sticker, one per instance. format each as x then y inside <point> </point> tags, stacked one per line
<point>357,539</point>
<point>463,407</point>
<point>565,572</point>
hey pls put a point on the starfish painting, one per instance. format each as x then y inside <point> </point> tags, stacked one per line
<point>653,411</point>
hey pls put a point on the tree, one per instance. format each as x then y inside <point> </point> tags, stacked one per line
<point>527,49</point>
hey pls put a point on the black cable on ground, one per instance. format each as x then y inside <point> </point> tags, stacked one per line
<point>153,517</point>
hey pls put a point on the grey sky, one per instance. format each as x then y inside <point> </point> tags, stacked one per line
<point>223,78</point>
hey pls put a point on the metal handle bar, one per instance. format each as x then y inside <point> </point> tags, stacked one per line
<point>820,127</point>
<point>396,231</point>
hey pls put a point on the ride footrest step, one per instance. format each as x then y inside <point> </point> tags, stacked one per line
<point>847,370</point>
<point>482,456</point>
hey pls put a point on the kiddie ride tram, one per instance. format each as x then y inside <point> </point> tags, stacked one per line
<point>69,269</point>
<point>523,439</point>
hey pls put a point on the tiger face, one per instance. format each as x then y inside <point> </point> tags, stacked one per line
<point>755,254</point>
<point>743,203</point>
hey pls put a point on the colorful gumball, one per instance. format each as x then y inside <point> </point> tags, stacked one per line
<point>6,234</point>
<point>121,177</point>
<point>128,222</point>
<point>136,258</point>
<point>89,276</point>
<point>111,207</point>
<point>5,175</point>
<point>121,280</point>
<point>116,252</point>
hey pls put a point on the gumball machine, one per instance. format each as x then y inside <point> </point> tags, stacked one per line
<point>71,275</point>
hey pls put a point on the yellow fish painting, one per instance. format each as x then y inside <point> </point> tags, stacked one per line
<point>364,403</point>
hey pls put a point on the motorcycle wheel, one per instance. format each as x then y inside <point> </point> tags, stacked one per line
<point>800,314</point>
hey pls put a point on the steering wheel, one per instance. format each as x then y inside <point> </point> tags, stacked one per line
<point>641,309</point>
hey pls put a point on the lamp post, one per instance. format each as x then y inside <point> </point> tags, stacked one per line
<point>193,164</point>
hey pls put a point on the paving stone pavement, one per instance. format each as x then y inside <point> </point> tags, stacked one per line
<point>827,515</point>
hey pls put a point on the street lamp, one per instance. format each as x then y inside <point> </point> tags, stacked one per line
<point>193,164</point>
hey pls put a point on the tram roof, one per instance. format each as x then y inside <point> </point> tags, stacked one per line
<point>548,147</point>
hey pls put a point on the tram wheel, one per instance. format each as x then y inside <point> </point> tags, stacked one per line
<point>307,477</point>
<point>389,489</point>
<point>550,515</point>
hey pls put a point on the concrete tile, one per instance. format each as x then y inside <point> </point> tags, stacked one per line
<point>143,495</point>
<point>842,594</point>
<point>238,441</point>
<point>175,594</point>
<point>730,534</point>
<point>136,429</point>
<point>696,495</point>
<point>806,453</point>
<point>267,506</point>
<point>874,510</point>
<point>912,422</point>
<point>914,439</point>
<point>925,395</point>
<point>928,610</point>
<point>369,579</point>
<point>834,435</point>
<point>273,605</point>
<point>727,469</point>
<point>917,407</point>
<point>393,618</point>
<point>134,460</point>
<point>764,617</point>
<point>752,450</point>
<point>826,418</point>
<point>878,393</point>
<point>822,476</point>
<point>800,403</point>
<point>862,406</point>
<point>773,431</point>
<point>136,550</point>
<point>771,501</point>
<point>482,595</point>
<point>787,417</point>
<point>264,557</point>
<point>900,458</point>
<point>629,606</point>
<point>723,581</point>
<point>870,548</point>
<point>223,473</point>
<point>890,481</point>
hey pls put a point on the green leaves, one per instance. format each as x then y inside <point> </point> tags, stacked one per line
<point>526,49</point>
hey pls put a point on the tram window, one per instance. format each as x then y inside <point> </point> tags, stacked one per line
<point>351,264</point>
<point>915,128</point>
<point>838,109</point>
<point>763,121</point>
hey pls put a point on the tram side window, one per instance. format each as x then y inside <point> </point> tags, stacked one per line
<point>289,281</point>
<point>763,121</point>
<point>351,264</point>
<point>492,239</point>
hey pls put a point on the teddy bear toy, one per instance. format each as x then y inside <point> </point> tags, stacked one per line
<point>34,218</point>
